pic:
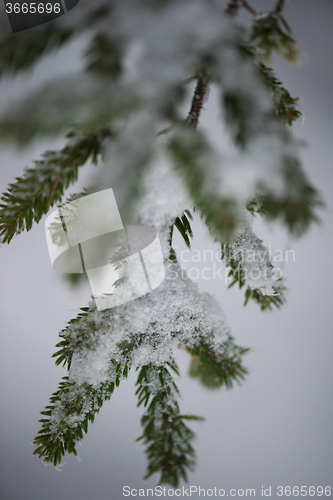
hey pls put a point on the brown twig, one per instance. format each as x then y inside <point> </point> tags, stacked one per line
<point>279,7</point>
<point>199,98</point>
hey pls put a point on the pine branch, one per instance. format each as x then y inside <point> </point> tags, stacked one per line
<point>87,329</point>
<point>33,194</point>
<point>285,105</point>
<point>246,254</point>
<point>75,404</point>
<point>213,369</point>
<point>266,302</point>
<point>70,343</point>
<point>296,208</point>
<point>184,227</point>
<point>272,33</point>
<point>72,407</point>
<point>168,439</point>
<point>248,121</point>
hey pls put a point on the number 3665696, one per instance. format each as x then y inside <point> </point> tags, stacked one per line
<point>33,8</point>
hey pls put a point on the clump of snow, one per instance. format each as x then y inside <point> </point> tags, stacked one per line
<point>253,259</point>
<point>164,198</point>
<point>150,327</point>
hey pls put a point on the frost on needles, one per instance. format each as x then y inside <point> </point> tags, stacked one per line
<point>144,63</point>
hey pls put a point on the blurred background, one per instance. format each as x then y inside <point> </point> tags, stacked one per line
<point>275,429</point>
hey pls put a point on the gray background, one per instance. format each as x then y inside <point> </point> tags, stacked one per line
<point>276,429</point>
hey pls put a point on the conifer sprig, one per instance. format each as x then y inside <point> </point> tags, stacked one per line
<point>72,407</point>
<point>272,33</point>
<point>184,227</point>
<point>168,439</point>
<point>42,186</point>
<point>169,449</point>
<point>285,105</point>
<point>237,274</point>
<point>214,370</point>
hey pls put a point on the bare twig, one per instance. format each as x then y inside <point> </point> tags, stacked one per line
<point>279,7</point>
<point>199,98</point>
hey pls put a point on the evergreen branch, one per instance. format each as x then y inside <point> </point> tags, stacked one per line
<point>71,344</point>
<point>168,439</point>
<point>184,227</point>
<point>272,33</point>
<point>33,194</point>
<point>75,404</point>
<point>266,302</point>
<point>72,407</point>
<point>285,105</point>
<point>214,370</point>
<point>248,254</point>
<point>295,208</point>
<point>86,337</point>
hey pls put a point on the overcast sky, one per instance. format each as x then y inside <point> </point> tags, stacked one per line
<point>275,429</point>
